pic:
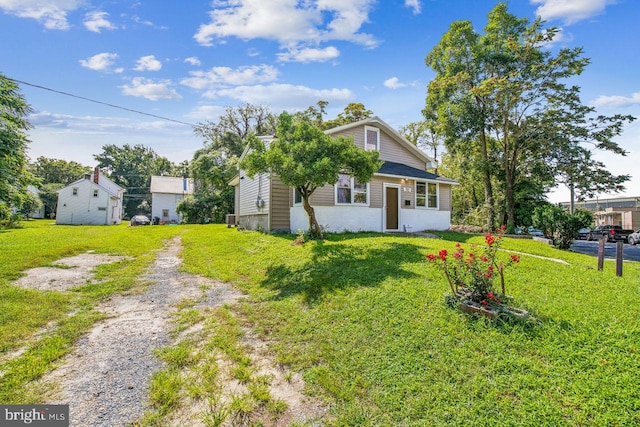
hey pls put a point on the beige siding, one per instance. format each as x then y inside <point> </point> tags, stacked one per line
<point>390,149</point>
<point>249,189</point>
<point>445,197</point>
<point>323,196</point>
<point>280,198</point>
<point>408,193</point>
<point>375,187</point>
<point>356,133</point>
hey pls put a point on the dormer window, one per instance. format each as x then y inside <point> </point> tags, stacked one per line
<point>371,138</point>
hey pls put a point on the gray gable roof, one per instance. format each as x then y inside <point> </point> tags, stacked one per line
<point>400,170</point>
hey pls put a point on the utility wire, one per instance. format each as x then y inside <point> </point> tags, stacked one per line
<point>99,102</point>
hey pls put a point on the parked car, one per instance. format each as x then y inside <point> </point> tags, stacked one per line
<point>634,237</point>
<point>612,233</point>
<point>535,232</point>
<point>583,233</point>
<point>140,220</point>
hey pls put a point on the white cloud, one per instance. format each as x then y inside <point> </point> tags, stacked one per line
<point>283,96</point>
<point>53,15</point>
<point>100,62</point>
<point>224,76</point>
<point>570,11</point>
<point>413,4</point>
<point>149,89</point>
<point>616,101</point>
<point>290,22</point>
<point>394,83</point>
<point>96,21</point>
<point>148,63</point>
<point>193,60</point>
<point>309,55</point>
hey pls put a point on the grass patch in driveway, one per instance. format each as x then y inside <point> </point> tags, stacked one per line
<point>362,316</point>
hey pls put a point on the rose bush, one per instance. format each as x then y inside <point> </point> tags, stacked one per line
<point>471,274</point>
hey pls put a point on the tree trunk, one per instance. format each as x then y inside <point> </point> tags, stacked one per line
<point>314,228</point>
<point>572,190</point>
<point>486,176</point>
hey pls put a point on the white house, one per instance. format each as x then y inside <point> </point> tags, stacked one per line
<point>166,193</point>
<point>401,195</point>
<point>92,200</point>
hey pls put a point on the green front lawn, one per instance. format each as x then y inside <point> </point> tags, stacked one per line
<point>45,324</point>
<point>362,316</point>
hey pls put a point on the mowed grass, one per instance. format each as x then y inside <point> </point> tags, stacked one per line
<point>45,324</point>
<point>362,316</point>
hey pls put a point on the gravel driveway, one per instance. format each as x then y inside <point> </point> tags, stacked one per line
<point>105,379</point>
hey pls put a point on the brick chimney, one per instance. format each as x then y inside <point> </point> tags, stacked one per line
<point>96,175</point>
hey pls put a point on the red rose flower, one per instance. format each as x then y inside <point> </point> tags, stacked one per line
<point>489,239</point>
<point>431,257</point>
<point>443,254</point>
<point>515,258</point>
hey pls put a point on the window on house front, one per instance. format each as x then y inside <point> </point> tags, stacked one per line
<point>297,197</point>
<point>371,138</point>
<point>74,191</point>
<point>350,191</point>
<point>426,195</point>
<point>95,193</point>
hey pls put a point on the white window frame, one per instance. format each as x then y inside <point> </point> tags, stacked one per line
<point>95,193</point>
<point>366,131</point>
<point>74,191</point>
<point>295,193</point>
<point>426,195</point>
<point>353,193</point>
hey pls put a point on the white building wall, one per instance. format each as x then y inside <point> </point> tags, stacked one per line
<point>425,219</point>
<point>162,201</point>
<point>83,208</point>
<point>338,219</point>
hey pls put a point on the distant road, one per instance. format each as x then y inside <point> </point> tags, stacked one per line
<point>629,253</point>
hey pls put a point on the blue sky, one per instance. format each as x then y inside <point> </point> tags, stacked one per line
<point>187,60</point>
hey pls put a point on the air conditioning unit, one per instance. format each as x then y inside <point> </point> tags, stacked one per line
<point>231,220</point>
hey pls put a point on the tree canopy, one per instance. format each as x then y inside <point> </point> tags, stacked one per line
<point>502,98</point>
<point>131,167</point>
<point>305,158</point>
<point>14,173</point>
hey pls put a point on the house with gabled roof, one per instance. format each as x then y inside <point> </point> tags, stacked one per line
<point>166,193</point>
<point>401,195</point>
<point>92,200</point>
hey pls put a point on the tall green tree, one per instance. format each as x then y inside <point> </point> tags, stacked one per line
<point>353,112</point>
<point>305,158</point>
<point>131,167</point>
<point>424,134</point>
<point>14,173</point>
<point>213,166</point>
<point>503,84</point>
<point>57,171</point>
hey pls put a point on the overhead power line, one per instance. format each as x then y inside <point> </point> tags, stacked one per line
<point>98,102</point>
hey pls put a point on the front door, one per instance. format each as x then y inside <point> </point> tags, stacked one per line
<point>392,220</point>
